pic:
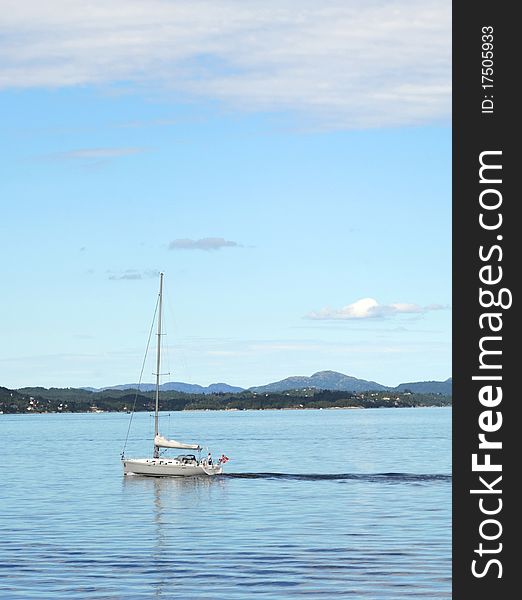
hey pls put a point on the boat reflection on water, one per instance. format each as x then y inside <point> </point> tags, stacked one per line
<point>178,524</point>
<point>170,485</point>
<point>172,499</point>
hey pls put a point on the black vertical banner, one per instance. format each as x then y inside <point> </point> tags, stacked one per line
<point>485,303</point>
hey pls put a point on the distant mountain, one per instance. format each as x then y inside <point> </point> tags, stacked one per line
<point>323,380</point>
<point>219,388</point>
<point>332,380</point>
<point>428,387</point>
<point>175,386</point>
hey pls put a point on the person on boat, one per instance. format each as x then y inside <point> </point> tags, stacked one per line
<point>209,459</point>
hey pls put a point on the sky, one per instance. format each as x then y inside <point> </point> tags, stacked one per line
<point>286,164</point>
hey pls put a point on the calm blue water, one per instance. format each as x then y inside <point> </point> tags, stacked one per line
<point>71,526</point>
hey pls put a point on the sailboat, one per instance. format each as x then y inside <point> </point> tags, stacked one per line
<point>184,465</point>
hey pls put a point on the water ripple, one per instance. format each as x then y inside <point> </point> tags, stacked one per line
<point>369,477</point>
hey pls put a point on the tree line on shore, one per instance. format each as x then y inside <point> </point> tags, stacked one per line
<point>71,400</point>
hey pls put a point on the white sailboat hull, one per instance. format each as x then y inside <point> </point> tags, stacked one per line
<point>167,467</point>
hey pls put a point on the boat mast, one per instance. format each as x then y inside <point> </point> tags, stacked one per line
<point>158,364</point>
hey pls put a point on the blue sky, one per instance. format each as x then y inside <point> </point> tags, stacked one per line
<point>297,200</point>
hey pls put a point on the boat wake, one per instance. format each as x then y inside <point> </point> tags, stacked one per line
<point>372,477</point>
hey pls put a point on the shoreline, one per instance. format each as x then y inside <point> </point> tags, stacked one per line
<point>202,410</point>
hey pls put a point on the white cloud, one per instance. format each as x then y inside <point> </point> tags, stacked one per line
<point>340,63</point>
<point>369,308</point>
<point>95,154</point>
<point>253,348</point>
<point>133,274</point>
<point>202,244</point>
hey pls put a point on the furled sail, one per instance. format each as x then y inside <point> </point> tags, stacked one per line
<point>162,442</point>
